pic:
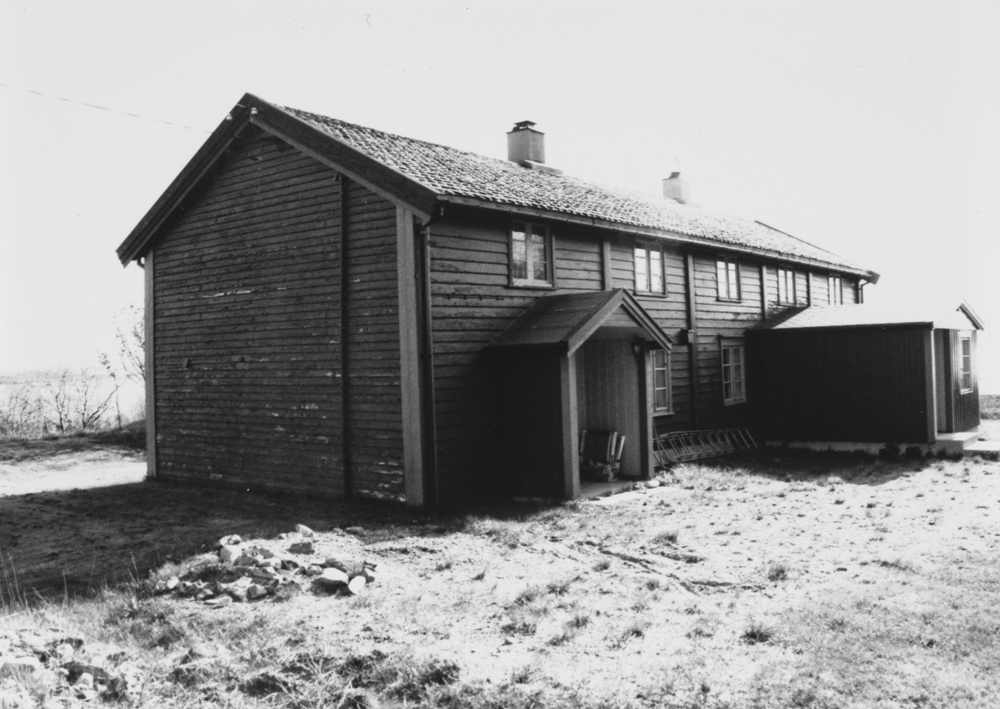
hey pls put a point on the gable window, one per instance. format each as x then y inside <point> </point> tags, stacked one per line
<point>727,278</point>
<point>734,385</point>
<point>649,270</point>
<point>530,255</point>
<point>786,287</point>
<point>965,362</point>
<point>835,290</point>
<point>662,396</point>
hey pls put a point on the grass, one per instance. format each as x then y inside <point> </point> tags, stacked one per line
<point>989,406</point>
<point>798,601</point>
<point>131,437</point>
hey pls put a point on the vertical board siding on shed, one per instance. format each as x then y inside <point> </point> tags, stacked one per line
<point>863,384</point>
<point>247,325</point>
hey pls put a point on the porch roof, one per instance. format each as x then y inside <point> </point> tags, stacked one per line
<point>571,319</point>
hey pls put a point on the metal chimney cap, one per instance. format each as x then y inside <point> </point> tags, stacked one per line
<point>523,125</point>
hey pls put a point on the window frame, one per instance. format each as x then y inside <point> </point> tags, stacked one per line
<point>735,343</point>
<point>790,298</point>
<point>650,251</point>
<point>668,408</point>
<point>965,337</point>
<point>830,299</point>
<point>724,264</point>
<point>530,229</point>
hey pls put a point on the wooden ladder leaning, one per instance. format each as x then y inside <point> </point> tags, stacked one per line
<point>701,444</point>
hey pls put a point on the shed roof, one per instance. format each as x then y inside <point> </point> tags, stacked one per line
<point>571,319</point>
<point>881,315</point>
<point>422,174</point>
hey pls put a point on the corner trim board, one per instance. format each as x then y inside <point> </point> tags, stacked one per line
<point>410,379</point>
<point>150,365</point>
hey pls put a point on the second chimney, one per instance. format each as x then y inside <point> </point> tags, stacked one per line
<point>675,188</point>
<point>525,144</point>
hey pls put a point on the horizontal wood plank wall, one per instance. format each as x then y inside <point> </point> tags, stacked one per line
<point>820,289</point>
<point>247,327</point>
<point>670,313</point>
<point>471,304</point>
<point>720,319</point>
<point>375,406</point>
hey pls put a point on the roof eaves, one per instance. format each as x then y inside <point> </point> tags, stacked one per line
<point>658,233</point>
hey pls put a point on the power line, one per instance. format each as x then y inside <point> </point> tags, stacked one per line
<point>106,109</point>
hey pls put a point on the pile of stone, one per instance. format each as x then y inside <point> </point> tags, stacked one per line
<point>64,669</point>
<point>242,571</point>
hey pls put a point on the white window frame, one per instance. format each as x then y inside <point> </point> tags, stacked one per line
<point>648,256</point>
<point>834,296</point>
<point>964,338</point>
<point>734,370</point>
<point>668,388</point>
<point>529,229</point>
<point>727,275</point>
<point>786,287</point>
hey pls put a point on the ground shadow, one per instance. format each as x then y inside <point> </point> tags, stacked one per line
<point>77,541</point>
<point>809,466</point>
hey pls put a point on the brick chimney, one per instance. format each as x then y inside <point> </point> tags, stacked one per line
<point>675,188</point>
<point>525,145</point>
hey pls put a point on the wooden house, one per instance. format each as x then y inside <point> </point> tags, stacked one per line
<point>340,311</point>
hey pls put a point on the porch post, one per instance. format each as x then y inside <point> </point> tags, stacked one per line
<point>570,426</point>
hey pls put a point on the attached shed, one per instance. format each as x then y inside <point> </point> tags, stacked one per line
<point>864,374</point>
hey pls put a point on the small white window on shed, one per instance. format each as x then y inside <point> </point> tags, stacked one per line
<point>734,384</point>
<point>835,290</point>
<point>966,381</point>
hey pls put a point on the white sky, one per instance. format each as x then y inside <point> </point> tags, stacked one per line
<point>868,127</point>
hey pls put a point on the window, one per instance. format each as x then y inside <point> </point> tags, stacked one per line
<point>662,399</point>
<point>649,276</point>
<point>530,255</point>
<point>965,358</point>
<point>835,290</point>
<point>734,387</point>
<point>727,276</point>
<point>786,287</point>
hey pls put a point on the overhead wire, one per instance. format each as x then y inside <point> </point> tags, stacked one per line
<point>99,107</point>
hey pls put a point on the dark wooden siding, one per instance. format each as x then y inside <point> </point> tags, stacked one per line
<point>957,410</point>
<point>471,304</point>
<point>670,313</point>
<point>375,414</point>
<point>860,384</point>
<point>247,292</point>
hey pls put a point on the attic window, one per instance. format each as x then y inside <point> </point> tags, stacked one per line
<point>530,255</point>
